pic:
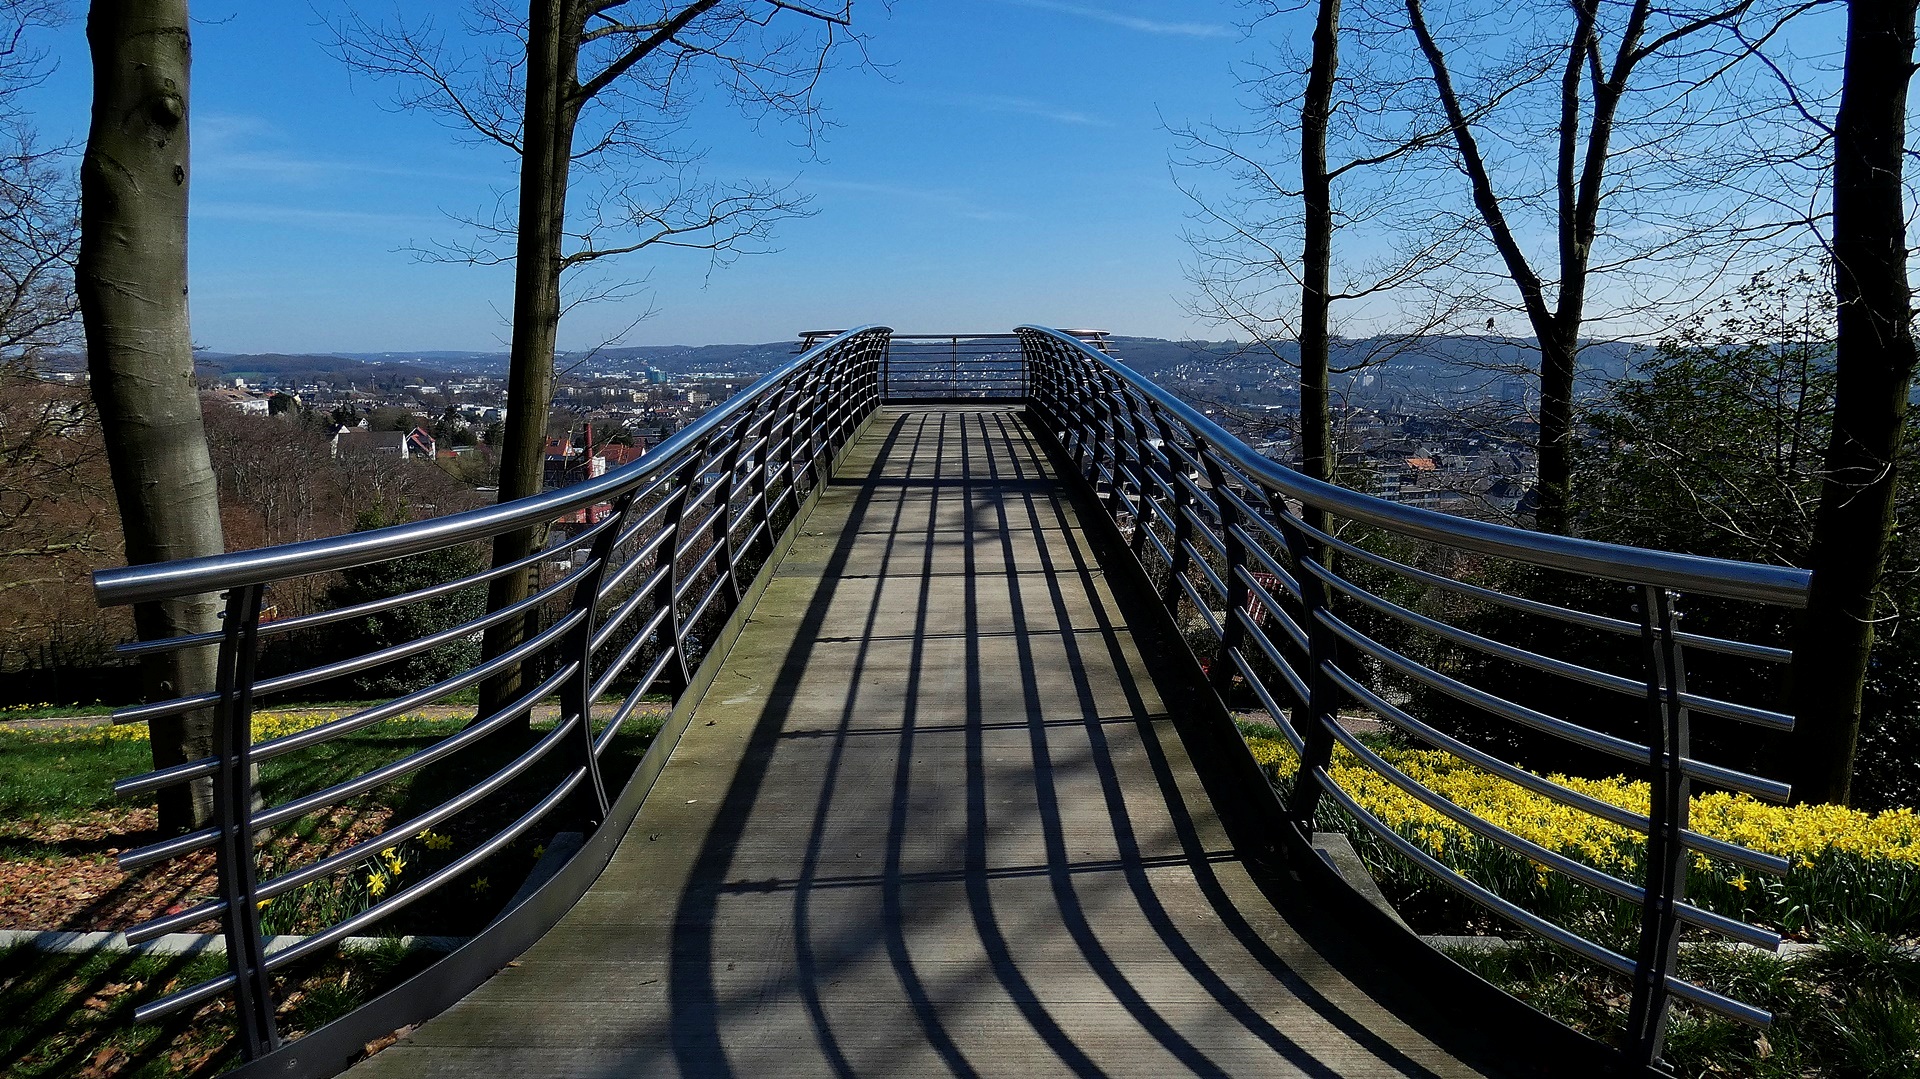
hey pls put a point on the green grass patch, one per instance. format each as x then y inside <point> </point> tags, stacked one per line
<point>47,774</point>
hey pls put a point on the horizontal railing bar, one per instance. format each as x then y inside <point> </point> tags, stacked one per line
<point>1760,717</point>
<point>1566,938</point>
<point>1473,822</point>
<point>1203,526</point>
<point>1544,787</point>
<point>340,668</point>
<point>1274,711</point>
<point>636,560</point>
<point>1267,560</point>
<point>393,837</point>
<point>340,931</point>
<point>314,735</point>
<point>747,542</point>
<point>1547,788</point>
<point>203,911</point>
<point>1292,677</point>
<point>1213,579</point>
<point>700,608</point>
<point>1771,789</point>
<point>419,758</point>
<point>1712,1001</point>
<point>185,998</point>
<point>320,618</point>
<point>632,648</point>
<point>692,576</point>
<point>1571,867</point>
<point>621,714</point>
<point>1272,607</point>
<point>640,638</point>
<point>1548,610</point>
<point>1512,653</point>
<point>146,583</point>
<point>1200,605</point>
<point>1480,698</point>
<point>360,720</point>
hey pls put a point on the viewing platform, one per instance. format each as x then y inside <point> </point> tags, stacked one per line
<point>970,640</point>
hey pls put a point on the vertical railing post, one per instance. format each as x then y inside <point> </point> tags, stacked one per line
<point>886,371</point>
<point>577,692</point>
<point>761,459</point>
<point>1667,856</point>
<point>723,504</point>
<point>1110,396</point>
<point>233,802</point>
<point>1323,694</point>
<point>1142,515</point>
<point>1170,593</point>
<point>666,566</point>
<point>1231,631</point>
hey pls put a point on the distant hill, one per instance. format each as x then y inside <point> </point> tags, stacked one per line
<point>1385,373</point>
<point>273,367</point>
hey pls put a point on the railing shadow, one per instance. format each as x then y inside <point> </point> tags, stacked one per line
<point>982,477</point>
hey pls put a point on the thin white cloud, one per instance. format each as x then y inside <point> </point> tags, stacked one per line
<point>306,217</point>
<point>1129,22</point>
<point>1026,107</point>
<point>947,200</point>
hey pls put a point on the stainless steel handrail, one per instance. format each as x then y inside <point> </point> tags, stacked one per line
<point>192,576</point>
<point>1779,585</point>
<point>687,522</point>
<point>1206,515</point>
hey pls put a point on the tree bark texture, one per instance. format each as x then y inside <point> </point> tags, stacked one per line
<point>1874,367</point>
<point>132,284</point>
<point>1316,419</point>
<point>552,111</point>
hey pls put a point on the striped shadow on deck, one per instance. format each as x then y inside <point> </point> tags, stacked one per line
<point>930,818</point>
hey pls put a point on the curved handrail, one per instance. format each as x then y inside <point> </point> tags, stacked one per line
<point>1726,579</point>
<point>669,550</point>
<point>1219,533</point>
<point>212,573</point>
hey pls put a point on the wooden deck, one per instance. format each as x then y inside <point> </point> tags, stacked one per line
<point>929,819</point>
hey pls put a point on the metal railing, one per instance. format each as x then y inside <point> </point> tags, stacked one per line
<point>1230,534</point>
<point>669,543</point>
<point>954,367</point>
<point>987,368</point>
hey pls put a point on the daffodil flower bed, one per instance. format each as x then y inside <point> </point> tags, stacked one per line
<point>266,727</point>
<point>1849,867</point>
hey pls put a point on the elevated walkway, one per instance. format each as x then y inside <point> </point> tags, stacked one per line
<point>930,818</point>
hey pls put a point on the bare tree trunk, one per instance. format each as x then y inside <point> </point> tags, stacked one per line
<point>1316,421</point>
<point>1559,350</point>
<point>132,285</point>
<point>1874,366</point>
<point>553,46</point>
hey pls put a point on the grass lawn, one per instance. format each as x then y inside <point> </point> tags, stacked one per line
<point>61,827</point>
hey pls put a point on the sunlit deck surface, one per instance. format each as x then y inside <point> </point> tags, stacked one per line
<point>931,818</point>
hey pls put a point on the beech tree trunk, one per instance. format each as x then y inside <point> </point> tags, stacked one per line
<point>553,50</point>
<point>1316,419</point>
<point>1874,367</point>
<point>132,284</point>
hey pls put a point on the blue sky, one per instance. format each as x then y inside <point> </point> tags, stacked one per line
<point>1009,164</point>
